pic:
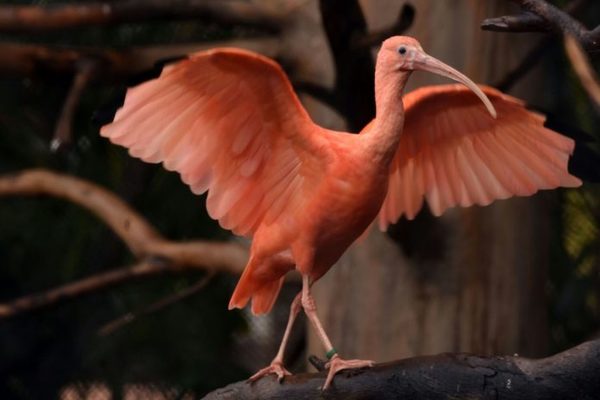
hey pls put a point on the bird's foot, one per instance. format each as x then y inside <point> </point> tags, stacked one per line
<point>338,364</point>
<point>276,368</point>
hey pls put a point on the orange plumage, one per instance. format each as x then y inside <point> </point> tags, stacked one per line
<point>229,122</point>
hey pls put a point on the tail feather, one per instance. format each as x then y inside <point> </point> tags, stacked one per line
<point>244,289</point>
<point>264,298</point>
<point>262,290</point>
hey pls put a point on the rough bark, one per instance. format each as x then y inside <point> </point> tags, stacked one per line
<point>572,374</point>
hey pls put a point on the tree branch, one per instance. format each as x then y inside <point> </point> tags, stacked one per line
<point>120,322</point>
<point>63,129</point>
<point>84,286</point>
<point>582,67</point>
<point>532,58</point>
<point>572,374</point>
<point>215,257</point>
<point>44,18</point>
<point>403,22</point>
<point>131,227</point>
<point>343,22</point>
<point>524,22</point>
<point>540,16</point>
<point>319,92</point>
<point>142,238</point>
<point>28,60</point>
<point>157,255</point>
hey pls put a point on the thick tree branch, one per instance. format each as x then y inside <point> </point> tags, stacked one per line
<point>142,238</point>
<point>540,16</point>
<point>131,227</point>
<point>319,92</point>
<point>572,374</point>
<point>403,22</point>
<point>343,21</point>
<point>51,17</point>
<point>157,255</point>
<point>350,43</point>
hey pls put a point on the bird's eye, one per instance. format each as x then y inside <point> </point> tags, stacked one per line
<point>402,50</point>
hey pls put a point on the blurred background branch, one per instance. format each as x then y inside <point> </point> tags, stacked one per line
<point>85,286</point>
<point>31,18</point>
<point>403,22</point>
<point>86,70</point>
<point>541,16</point>
<point>583,68</point>
<point>535,54</point>
<point>113,66</point>
<point>120,322</point>
<point>156,254</point>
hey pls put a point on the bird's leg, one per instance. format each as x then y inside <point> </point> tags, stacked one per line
<point>276,366</point>
<point>336,363</point>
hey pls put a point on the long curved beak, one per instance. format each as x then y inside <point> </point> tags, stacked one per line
<point>425,62</point>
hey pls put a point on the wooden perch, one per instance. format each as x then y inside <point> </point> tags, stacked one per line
<point>31,18</point>
<point>156,254</point>
<point>573,374</point>
<point>540,16</point>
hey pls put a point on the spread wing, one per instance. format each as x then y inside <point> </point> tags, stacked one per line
<point>229,122</point>
<point>452,152</point>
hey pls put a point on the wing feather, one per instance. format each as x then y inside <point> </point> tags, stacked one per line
<point>229,122</point>
<point>453,153</point>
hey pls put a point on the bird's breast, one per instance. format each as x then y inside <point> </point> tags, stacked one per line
<point>346,204</point>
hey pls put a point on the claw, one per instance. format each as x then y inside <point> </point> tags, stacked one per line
<point>338,364</point>
<point>276,368</point>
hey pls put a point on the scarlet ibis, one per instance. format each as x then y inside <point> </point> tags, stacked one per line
<point>230,123</point>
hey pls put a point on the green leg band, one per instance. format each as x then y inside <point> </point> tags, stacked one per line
<point>331,353</point>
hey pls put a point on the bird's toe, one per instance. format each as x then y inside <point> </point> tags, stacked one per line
<point>338,364</point>
<point>276,368</point>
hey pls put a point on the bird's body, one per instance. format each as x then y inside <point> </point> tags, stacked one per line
<point>229,121</point>
<point>335,211</point>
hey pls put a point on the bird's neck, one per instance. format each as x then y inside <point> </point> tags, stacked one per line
<point>384,136</point>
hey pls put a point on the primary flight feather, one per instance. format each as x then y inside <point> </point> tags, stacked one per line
<point>229,122</point>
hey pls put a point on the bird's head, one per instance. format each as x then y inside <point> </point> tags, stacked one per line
<point>404,54</point>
